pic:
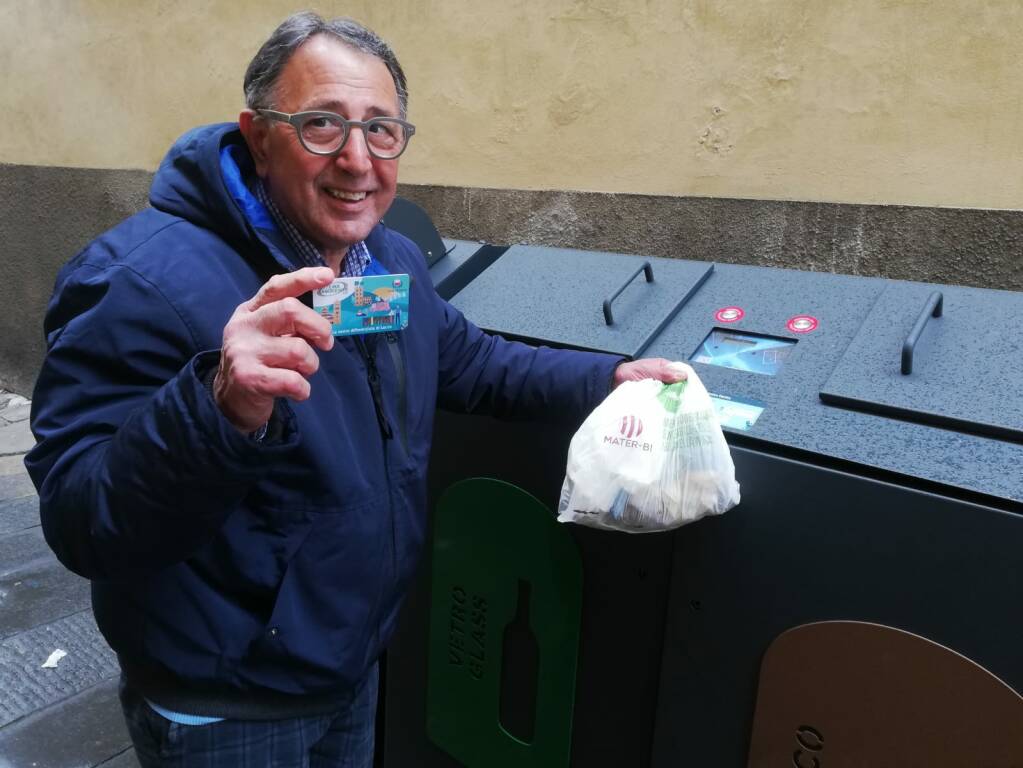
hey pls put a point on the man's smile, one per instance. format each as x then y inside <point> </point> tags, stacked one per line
<point>340,194</point>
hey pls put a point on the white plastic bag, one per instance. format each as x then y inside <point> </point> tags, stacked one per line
<point>651,457</point>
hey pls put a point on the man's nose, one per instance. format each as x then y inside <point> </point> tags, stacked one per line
<point>354,157</point>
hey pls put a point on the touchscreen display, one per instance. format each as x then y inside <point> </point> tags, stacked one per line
<point>744,351</point>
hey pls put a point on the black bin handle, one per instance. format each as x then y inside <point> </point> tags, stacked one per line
<point>931,309</point>
<point>608,317</point>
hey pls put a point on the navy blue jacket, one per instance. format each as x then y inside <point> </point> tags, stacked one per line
<point>228,572</point>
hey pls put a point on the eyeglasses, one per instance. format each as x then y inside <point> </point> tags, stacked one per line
<point>326,133</point>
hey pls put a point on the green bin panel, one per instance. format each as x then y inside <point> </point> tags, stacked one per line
<point>494,547</point>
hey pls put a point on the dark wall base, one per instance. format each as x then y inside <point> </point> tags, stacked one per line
<point>48,214</point>
<point>934,245</point>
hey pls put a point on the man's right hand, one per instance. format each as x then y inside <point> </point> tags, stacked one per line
<point>268,348</point>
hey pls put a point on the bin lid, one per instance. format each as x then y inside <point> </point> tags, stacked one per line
<point>409,219</point>
<point>556,296</point>
<point>460,249</point>
<point>949,710</point>
<point>966,366</point>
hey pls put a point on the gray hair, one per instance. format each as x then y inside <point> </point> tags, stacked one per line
<point>268,63</point>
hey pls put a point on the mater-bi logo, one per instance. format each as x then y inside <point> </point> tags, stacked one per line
<point>631,426</point>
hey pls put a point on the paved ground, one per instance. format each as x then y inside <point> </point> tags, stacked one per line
<point>67,716</point>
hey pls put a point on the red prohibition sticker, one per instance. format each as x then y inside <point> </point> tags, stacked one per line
<point>729,314</point>
<point>802,324</point>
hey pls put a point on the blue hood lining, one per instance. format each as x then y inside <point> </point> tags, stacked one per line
<point>248,203</point>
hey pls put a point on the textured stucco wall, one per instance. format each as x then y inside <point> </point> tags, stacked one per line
<point>870,101</point>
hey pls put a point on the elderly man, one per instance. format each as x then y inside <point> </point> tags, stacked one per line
<point>246,492</point>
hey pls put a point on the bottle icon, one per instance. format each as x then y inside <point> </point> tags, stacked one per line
<point>520,672</point>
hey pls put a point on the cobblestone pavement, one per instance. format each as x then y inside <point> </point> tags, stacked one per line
<point>65,716</point>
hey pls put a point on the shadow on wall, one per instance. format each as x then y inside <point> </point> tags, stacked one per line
<point>51,213</point>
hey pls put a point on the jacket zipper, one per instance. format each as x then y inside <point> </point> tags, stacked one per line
<point>373,377</point>
<point>394,346</point>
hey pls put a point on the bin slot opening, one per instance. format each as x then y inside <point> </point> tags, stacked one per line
<point>520,671</point>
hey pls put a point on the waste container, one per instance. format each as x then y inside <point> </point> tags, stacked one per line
<point>880,518</point>
<point>626,581</point>
<point>881,487</point>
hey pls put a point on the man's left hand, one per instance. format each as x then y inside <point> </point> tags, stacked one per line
<point>648,368</point>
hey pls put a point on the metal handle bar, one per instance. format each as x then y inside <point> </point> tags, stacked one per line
<point>608,318</point>
<point>931,309</point>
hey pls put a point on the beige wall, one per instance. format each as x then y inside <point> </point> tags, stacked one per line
<point>889,101</point>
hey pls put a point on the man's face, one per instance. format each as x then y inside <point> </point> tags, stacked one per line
<point>334,201</point>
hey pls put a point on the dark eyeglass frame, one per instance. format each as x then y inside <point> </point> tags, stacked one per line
<point>297,119</point>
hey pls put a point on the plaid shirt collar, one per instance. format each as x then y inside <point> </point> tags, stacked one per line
<point>355,261</point>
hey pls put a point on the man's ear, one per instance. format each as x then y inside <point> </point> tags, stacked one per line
<point>257,135</point>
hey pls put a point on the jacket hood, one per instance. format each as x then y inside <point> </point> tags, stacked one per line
<point>189,182</point>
